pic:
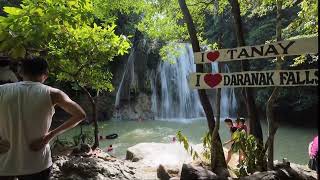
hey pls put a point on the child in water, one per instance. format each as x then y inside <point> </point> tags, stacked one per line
<point>110,148</point>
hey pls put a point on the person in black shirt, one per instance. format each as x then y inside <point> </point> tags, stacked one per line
<point>232,129</point>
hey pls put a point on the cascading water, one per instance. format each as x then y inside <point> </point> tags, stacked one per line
<point>171,96</point>
<point>127,80</point>
<point>175,99</point>
<point>228,99</point>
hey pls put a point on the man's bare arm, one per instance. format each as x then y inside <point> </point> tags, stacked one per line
<point>62,100</point>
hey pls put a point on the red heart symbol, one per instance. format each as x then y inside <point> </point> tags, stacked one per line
<point>212,80</point>
<point>212,56</point>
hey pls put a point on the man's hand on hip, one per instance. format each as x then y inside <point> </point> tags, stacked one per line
<point>40,143</point>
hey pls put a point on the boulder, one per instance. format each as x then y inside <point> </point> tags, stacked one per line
<point>81,168</point>
<point>283,171</point>
<point>166,174</point>
<point>162,173</point>
<point>172,156</point>
<point>195,172</point>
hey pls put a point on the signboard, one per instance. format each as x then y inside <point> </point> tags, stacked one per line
<point>254,79</point>
<point>280,48</point>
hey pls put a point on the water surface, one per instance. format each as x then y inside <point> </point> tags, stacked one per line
<point>290,142</point>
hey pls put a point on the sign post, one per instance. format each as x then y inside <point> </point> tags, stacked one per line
<point>254,79</point>
<point>307,77</point>
<point>276,49</point>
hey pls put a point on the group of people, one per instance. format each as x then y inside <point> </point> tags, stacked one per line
<point>238,125</point>
<point>26,110</point>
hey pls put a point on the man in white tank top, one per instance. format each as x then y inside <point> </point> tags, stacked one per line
<point>26,110</point>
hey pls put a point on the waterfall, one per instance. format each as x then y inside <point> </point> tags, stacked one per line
<point>228,99</point>
<point>127,80</point>
<point>175,100</point>
<point>171,97</point>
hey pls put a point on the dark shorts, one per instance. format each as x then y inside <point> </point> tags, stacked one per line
<point>313,164</point>
<point>43,175</point>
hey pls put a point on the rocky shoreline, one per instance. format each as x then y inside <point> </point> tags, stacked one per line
<point>148,161</point>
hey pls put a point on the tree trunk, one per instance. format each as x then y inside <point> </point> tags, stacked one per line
<point>254,123</point>
<point>218,163</point>
<point>218,103</point>
<point>272,125</point>
<point>215,139</point>
<point>94,118</point>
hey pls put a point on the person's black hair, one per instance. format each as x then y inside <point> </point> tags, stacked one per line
<point>242,120</point>
<point>34,67</point>
<point>228,120</point>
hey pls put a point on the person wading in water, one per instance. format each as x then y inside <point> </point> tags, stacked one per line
<point>26,110</point>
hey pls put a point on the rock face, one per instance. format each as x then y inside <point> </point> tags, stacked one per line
<point>80,168</point>
<point>138,109</point>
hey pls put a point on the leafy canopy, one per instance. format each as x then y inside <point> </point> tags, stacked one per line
<point>64,31</point>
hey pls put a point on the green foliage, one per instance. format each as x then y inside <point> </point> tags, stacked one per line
<point>80,54</point>
<point>182,139</point>
<point>77,49</point>
<point>162,21</point>
<point>251,150</point>
<point>206,141</point>
<point>307,21</point>
<point>259,26</point>
<point>109,9</point>
<point>32,25</point>
<point>171,51</point>
<point>84,137</point>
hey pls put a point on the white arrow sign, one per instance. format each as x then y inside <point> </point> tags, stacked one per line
<point>280,48</point>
